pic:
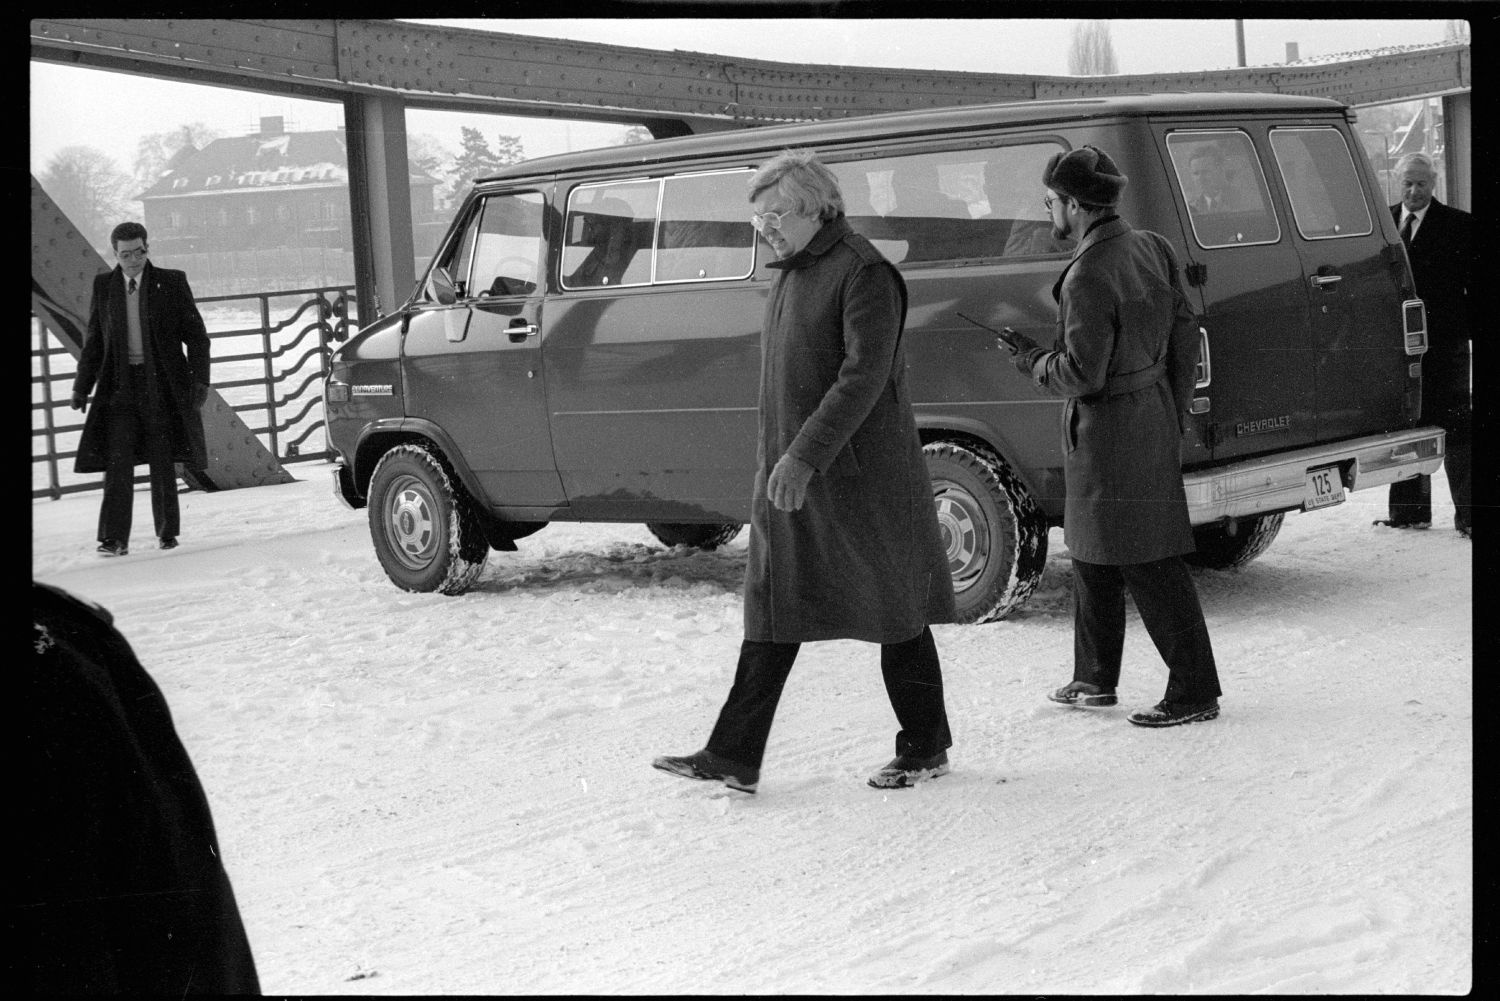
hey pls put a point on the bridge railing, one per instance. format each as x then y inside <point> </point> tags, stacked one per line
<point>269,353</point>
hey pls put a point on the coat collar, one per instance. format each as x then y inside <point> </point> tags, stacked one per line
<point>1097,234</point>
<point>823,240</point>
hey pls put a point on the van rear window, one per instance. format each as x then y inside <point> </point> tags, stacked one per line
<point>1223,187</point>
<point>1328,200</point>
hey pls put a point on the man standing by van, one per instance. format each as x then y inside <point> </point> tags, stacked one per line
<point>1124,359</point>
<point>1439,245</point>
<point>844,540</point>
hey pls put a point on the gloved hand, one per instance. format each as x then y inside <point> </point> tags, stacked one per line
<point>200,395</point>
<point>1023,350</point>
<point>79,401</point>
<point>786,488</point>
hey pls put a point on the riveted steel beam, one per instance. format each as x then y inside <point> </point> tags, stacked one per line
<point>515,74</point>
<point>63,266</point>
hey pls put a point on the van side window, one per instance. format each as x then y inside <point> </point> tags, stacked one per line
<point>1328,200</point>
<point>608,234</point>
<point>508,249</point>
<point>705,232</point>
<point>951,205</point>
<point>1223,188</point>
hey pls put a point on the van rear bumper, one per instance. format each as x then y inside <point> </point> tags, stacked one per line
<point>1279,482</point>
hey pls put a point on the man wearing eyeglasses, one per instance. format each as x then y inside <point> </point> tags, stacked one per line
<point>844,540</point>
<point>1123,360</point>
<point>146,360</point>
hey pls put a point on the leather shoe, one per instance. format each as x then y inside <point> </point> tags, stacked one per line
<point>112,547</point>
<point>1166,713</point>
<point>906,770</point>
<point>1083,695</point>
<point>1391,523</point>
<point>168,542</point>
<point>705,764</point>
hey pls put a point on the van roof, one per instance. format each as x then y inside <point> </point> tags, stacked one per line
<point>918,122</point>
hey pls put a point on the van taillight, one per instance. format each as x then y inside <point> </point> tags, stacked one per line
<point>1414,325</point>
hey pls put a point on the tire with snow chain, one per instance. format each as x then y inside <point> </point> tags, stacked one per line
<point>1219,549</point>
<point>426,531</point>
<point>710,536</point>
<point>992,529</point>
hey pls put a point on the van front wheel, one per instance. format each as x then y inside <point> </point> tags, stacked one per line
<point>423,523</point>
<point>994,533</point>
<point>711,536</point>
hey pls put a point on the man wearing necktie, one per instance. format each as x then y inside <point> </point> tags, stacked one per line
<point>146,359</point>
<point>1438,241</point>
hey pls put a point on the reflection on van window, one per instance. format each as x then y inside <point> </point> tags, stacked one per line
<point>608,241</point>
<point>704,233</point>
<point>1327,198</point>
<point>952,205</point>
<point>1223,188</point>
<point>509,246</point>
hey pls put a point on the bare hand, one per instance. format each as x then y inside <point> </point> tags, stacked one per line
<point>200,395</point>
<point>787,486</point>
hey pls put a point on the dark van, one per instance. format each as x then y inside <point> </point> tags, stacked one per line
<point>585,345</point>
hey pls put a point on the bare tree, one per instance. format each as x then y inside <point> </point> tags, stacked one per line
<point>1455,32</point>
<point>91,190</point>
<point>1092,52</point>
<point>634,134</point>
<point>154,153</point>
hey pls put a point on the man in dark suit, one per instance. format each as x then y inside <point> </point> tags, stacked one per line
<point>1439,246</point>
<point>147,392</point>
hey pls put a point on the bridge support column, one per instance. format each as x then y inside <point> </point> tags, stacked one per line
<point>379,202</point>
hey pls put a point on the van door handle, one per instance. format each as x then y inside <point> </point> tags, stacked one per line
<point>1321,280</point>
<point>519,330</point>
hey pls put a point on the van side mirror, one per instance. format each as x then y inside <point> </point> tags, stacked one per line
<point>440,287</point>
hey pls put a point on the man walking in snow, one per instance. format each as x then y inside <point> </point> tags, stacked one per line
<point>1124,359</point>
<point>844,540</point>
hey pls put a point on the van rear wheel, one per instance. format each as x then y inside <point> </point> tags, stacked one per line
<point>423,523</point>
<point>1219,549</point>
<point>993,531</point>
<point>710,536</point>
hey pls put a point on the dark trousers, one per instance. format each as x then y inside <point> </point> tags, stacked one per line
<point>134,421</point>
<point>1411,500</point>
<point>913,681</point>
<point>1168,602</point>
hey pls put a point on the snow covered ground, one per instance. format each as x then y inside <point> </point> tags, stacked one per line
<point>422,794</point>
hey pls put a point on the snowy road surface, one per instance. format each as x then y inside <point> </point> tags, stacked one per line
<point>421,794</point>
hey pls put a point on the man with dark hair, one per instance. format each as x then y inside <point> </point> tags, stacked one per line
<point>147,393</point>
<point>1439,245</point>
<point>1124,359</point>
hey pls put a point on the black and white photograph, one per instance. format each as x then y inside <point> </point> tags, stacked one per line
<point>788,500</point>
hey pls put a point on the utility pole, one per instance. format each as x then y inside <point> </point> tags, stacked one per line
<point>1239,40</point>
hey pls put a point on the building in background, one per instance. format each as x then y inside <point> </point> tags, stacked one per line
<point>267,211</point>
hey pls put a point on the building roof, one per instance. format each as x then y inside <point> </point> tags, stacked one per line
<point>269,159</point>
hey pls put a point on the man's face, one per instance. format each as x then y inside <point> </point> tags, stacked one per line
<point>1209,176</point>
<point>132,257</point>
<point>792,232</point>
<point>1416,187</point>
<point>1057,209</point>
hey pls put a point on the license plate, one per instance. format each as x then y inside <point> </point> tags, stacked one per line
<point>1324,487</point>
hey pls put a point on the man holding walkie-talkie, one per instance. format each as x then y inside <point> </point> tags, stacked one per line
<point>1127,346</point>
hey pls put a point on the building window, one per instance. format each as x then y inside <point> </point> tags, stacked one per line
<point>250,216</point>
<point>283,213</point>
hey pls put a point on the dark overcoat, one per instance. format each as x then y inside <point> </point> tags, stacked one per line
<point>120,886</point>
<point>1124,357</point>
<point>170,326</point>
<point>1442,265</point>
<point>862,558</point>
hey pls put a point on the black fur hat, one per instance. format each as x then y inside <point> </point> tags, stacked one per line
<point>1087,174</point>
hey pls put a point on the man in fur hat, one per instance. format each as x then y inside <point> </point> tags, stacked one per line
<point>1124,358</point>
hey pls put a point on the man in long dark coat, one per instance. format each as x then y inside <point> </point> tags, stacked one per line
<point>1124,358</point>
<point>147,392</point>
<point>119,887</point>
<point>1439,245</point>
<point>844,540</point>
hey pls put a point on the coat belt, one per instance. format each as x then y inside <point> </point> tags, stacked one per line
<point>1119,385</point>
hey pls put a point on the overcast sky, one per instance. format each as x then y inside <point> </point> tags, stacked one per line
<point>71,106</point>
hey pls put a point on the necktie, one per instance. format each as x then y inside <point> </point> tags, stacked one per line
<point>1411,217</point>
<point>132,286</point>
